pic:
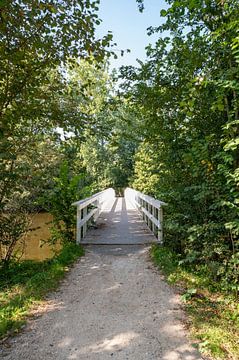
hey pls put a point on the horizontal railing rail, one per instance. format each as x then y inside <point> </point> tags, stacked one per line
<point>151,210</point>
<point>90,208</point>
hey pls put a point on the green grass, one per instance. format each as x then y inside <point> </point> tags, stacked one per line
<point>213,314</point>
<point>25,284</point>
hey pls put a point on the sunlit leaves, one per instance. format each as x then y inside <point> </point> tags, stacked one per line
<point>187,92</point>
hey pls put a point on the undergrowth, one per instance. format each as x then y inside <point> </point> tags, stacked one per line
<point>213,314</point>
<point>25,284</point>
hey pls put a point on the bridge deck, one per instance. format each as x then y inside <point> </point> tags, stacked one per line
<point>119,224</point>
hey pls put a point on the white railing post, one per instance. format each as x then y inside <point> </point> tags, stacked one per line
<point>160,229</point>
<point>84,227</point>
<point>97,213</point>
<point>78,228</point>
<point>154,215</point>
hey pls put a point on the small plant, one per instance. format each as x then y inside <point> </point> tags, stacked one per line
<point>188,294</point>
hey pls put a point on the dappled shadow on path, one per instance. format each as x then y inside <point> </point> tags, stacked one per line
<point>113,305</point>
<point>120,224</point>
<point>128,313</point>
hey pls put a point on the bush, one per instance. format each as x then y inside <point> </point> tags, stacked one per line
<point>67,188</point>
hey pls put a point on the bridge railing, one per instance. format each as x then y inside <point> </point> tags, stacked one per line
<point>151,210</point>
<point>90,208</point>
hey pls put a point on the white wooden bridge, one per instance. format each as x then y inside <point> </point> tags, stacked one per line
<point>133,219</point>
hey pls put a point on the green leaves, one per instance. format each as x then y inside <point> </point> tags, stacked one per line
<point>67,188</point>
<point>188,294</point>
<point>163,13</point>
<point>36,40</point>
<point>232,144</point>
<point>187,94</point>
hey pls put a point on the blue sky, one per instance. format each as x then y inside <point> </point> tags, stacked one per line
<point>129,26</point>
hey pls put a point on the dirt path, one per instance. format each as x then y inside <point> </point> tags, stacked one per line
<point>112,305</point>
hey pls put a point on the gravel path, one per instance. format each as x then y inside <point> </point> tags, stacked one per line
<point>112,305</point>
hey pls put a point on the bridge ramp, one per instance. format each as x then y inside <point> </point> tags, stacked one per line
<point>119,224</point>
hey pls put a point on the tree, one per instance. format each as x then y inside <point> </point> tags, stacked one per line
<point>108,155</point>
<point>36,41</point>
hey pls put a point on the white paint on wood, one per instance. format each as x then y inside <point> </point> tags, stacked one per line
<point>148,207</point>
<point>98,201</point>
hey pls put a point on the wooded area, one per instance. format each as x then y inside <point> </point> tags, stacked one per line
<point>171,131</point>
<point>168,128</point>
